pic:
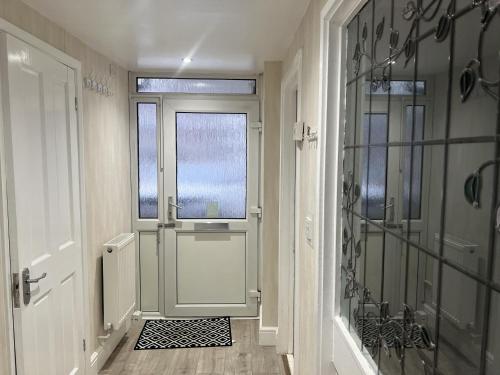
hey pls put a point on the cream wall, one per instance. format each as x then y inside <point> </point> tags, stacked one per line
<point>307,38</point>
<point>106,147</point>
<point>271,102</point>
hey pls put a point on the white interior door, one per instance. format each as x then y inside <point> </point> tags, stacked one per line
<point>44,210</point>
<point>211,181</point>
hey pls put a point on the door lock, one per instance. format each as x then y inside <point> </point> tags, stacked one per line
<point>27,284</point>
<point>15,290</point>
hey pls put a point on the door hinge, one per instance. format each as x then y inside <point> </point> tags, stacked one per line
<point>256,125</point>
<point>76,103</point>
<point>255,294</point>
<point>84,345</point>
<point>255,210</point>
<point>16,298</point>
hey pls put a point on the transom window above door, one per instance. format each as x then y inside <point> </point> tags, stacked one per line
<point>196,85</point>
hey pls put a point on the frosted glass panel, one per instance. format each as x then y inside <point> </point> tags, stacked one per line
<point>374,171</point>
<point>196,86</point>
<point>147,156</point>
<point>211,165</point>
<point>416,182</point>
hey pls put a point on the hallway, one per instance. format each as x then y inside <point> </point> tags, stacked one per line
<point>290,187</point>
<point>244,357</point>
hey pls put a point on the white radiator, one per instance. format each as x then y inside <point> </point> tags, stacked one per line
<point>118,266</point>
<point>459,292</point>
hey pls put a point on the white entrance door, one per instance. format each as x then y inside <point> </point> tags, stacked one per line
<point>44,210</point>
<point>211,181</point>
<point>389,177</point>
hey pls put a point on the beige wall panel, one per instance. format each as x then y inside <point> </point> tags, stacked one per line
<point>307,38</point>
<point>270,220</point>
<point>106,147</point>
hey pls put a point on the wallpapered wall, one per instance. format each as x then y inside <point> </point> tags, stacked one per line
<point>106,147</point>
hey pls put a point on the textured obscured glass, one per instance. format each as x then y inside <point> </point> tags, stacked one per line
<point>211,165</point>
<point>148,160</point>
<point>197,86</point>
<point>374,171</point>
<point>416,183</point>
<point>397,88</point>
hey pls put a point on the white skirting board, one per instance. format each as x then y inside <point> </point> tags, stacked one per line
<point>101,355</point>
<point>267,335</point>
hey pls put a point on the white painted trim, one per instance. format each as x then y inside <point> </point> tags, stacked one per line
<point>353,361</point>
<point>334,17</point>
<point>4,233</point>
<point>267,334</point>
<point>290,359</point>
<point>77,67</point>
<point>287,293</point>
<point>103,352</point>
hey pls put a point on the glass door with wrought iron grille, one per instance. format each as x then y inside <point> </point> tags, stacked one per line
<point>420,240</point>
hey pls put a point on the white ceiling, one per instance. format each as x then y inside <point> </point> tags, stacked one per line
<point>231,36</point>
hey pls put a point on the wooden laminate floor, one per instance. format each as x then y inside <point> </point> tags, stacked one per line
<point>245,357</point>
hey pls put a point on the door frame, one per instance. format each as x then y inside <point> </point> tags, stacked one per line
<point>8,28</point>
<point>289,195</point>
<point>334,339</point>
<point>161,98</point>
<point>136,221</point>
<point>250,106</point>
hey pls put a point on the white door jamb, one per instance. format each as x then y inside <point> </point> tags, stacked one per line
<point>288,252</point>
<point>334,341</point>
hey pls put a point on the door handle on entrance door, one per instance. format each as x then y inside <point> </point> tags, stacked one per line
<point>175,205</point>
<point>391,207</point>
<point>170,202</point>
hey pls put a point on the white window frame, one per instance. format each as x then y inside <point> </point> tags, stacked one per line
<point>132,81</point>
<point>337,348</point>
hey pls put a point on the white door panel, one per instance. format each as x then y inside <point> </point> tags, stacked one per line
<point>199,254</point>
<point>44,210</point>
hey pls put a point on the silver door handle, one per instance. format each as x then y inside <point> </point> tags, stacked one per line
<point>170,214</point>
<point>391,207</point>
<point>175,205</point>
<point>388,206</point>
<point>27,281</point>
<point>36,279</point>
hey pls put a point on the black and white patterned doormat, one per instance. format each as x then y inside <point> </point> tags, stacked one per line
<point>192,333</point>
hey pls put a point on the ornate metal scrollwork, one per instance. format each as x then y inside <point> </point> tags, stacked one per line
<point>414,12</point>
<point>474,70</point>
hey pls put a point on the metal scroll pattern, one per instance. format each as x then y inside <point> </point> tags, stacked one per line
<point>406,332</point>
<point>415,11</point>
